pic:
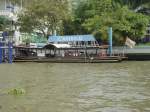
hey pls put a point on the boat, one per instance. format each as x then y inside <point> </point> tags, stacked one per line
<point>67,49</point>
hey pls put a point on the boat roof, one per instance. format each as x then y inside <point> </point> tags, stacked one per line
<point>51,46</point>
<point>71,38</point>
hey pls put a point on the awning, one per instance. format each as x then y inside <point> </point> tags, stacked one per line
<point>71,38</point>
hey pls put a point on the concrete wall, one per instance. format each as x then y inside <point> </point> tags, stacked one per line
<point>137,49</point>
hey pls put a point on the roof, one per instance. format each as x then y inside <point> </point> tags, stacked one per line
<point>52,46</point>
<point>62,45</point>
<point>71,38</point>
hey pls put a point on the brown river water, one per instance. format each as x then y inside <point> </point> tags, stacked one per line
<point>104,87</point>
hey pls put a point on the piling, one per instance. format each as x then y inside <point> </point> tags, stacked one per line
<point>10,53</point>
<point>110,40</point>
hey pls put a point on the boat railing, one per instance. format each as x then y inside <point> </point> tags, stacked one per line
<point>90,45</point>
<point>119,51</point>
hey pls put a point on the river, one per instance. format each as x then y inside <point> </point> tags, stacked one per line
<point>104,87</point>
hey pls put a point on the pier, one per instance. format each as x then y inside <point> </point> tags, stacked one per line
<point>6,51</point>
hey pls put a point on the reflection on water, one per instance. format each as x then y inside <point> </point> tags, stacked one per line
<point>120,87</point>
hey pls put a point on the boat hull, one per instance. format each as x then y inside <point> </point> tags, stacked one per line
<point>70,60</point>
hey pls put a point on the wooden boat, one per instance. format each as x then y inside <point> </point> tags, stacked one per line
<point>67,49</point>
<point>49,53</point>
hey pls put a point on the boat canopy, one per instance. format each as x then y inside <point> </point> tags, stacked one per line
<point>71,38</point>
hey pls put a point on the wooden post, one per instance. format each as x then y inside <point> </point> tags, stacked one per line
<point>10,52</point>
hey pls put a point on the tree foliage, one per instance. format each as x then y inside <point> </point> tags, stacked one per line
<point>97,15</point>
<point>132,3</point>
<point>88,16</point>
<point>44,15</point>
<point>4,22</point>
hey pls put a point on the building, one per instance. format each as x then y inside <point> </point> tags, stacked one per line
<point>146,36</point>
<point>5,9</point>
<point>9,10</point>
<point>148,32</point>
<point>145,11</point>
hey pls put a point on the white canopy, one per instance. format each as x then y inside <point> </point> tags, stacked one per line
<point>62,45</point>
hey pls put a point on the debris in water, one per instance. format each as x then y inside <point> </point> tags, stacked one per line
<point>16,91</point>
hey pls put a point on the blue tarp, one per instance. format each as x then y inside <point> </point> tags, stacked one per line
<point>71,38</point>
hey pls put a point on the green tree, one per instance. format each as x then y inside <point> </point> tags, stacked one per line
<point>44,15</point>
<point>132,3</point>
<point>124,22</point>
<point>73,26</point>
<point>97,15</point>
<point>4,22</point>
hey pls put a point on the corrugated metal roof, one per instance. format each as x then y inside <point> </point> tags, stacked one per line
<point>71,38</point>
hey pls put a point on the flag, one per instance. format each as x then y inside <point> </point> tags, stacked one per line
<point>130,42</point>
